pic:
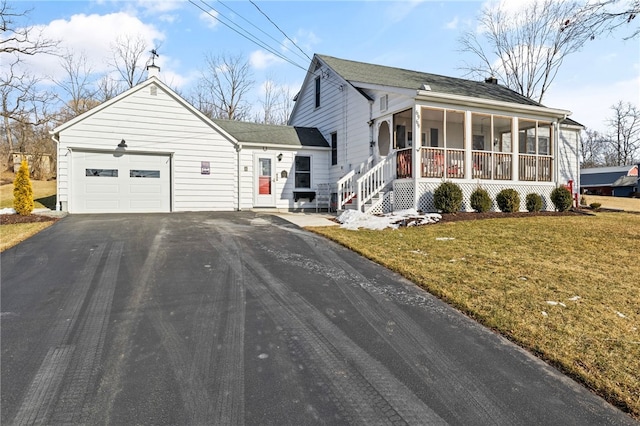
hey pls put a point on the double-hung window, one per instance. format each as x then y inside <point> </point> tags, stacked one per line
<point>303,172</point>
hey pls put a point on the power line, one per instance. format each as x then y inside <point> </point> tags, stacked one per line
<point>247,36</point>
<point>265,33</point>
<point>283,33</point>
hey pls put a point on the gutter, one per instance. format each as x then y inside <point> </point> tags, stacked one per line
<point>55,138</point>
<point>238,177</point>
<point>426,95</point>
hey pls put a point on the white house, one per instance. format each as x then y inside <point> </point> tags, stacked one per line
<point>383,138</point>
<point>397,134</point>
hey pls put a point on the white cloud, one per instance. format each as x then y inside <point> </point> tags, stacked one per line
<point>209,18</point>
<point>92,35</point>
<point>453,24</point>
<point>260,59</point>
<point>159,6</point>
<point>397,11</point>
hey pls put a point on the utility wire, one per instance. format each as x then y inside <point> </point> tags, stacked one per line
<point>282,32</point>
<point>267,34</point>
<point>247,36</point>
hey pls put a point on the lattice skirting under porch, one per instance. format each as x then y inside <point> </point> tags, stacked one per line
<point>403,194</point>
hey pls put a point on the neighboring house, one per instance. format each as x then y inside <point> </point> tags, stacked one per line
<point>620,181</point>
<point>383,138</point>
<point>397,134</point>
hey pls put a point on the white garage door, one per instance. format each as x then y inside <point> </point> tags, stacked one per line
<point>120,183</point>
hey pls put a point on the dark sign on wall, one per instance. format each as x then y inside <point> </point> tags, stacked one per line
<point>205,169</point>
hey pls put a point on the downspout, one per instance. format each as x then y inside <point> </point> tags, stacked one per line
<point>238,177</point>
<point>54,137</point>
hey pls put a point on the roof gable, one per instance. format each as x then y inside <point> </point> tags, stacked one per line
<point>143,85</point>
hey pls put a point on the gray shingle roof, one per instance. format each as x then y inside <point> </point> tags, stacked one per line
<point>353,71</point>
<point>272,134</point>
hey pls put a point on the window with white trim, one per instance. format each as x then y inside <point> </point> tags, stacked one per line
<point>302,171</point>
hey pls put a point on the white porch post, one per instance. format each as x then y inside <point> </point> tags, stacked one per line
<point>417,162</point>
<point>515,148</point>
<point>468,146</point>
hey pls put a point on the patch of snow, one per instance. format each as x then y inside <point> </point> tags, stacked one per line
<point>544,314</point>
<point>620,314</point>
<point>444,238</point>
<point>8,210</point>
<point>574,298</point>
<point>354,220</point>
<point>552,302</point>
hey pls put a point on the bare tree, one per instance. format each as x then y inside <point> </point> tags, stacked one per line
<point>525,49</point>
<point>223,87</point>
<point>78,86</point>
<point>608,15</point>
<point>108,88</point>
<point>21,40</point>
<point>624,142</point>
<point>592,146</point>
<point>23,105</point>
<point>128,51</point>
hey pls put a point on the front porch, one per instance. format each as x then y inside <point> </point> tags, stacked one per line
<point>420,147</point>
<point>391,185</point>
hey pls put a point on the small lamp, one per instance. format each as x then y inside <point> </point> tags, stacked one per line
<point>280,157</point>
<point>122,144</point>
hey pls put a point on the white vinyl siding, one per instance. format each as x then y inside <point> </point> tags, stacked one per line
<point>160,124</point>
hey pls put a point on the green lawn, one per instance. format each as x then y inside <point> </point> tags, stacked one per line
<point>567,288</point>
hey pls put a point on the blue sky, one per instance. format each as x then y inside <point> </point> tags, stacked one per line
<point>419,35</point>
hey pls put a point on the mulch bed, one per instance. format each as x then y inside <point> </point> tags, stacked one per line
<point>10,219</point>
<point>460,216</point>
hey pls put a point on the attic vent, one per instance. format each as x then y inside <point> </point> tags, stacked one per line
<point>318,66</point>
<point>384,102</point>
<point>153,90</point>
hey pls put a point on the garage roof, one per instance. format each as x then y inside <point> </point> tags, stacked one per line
<point>270,134</point>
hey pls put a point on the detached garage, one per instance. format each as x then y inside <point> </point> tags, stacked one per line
<point>148,150</point>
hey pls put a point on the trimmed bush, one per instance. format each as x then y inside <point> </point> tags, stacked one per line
<point>595,206</point>
<point>23,191</point>
<point>583,200</point>
<point>448,197</point>
<point>480,200</point>
<point>508,200</point>
<point>561,198</point>
<point>533,202</point>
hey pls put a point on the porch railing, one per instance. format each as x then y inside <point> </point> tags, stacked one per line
<point>544,168</point>
<point>502,166</point>
<point>347,186</point>
<point>482,161</point>
<point>440,162</point>
<point>379,176</point>
<point>404,160</point>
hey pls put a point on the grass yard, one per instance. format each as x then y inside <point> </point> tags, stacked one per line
<point>567,288</point>
<point>44,194</point>
<point>619,203</point>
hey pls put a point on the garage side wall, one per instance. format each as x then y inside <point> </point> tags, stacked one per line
<point>151,120</point>
<point>285,175</point>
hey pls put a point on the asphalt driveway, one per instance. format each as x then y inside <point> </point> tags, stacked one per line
<point>244,318</point>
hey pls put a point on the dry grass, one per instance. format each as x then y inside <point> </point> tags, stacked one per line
<point>503,272</point>
<point>617,203</point>
<point>10,235</point>
<point>43,194</point>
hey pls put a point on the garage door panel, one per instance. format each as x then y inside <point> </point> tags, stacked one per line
<point>145,189</point>
<point>101,189</point>
<point>108,183</point>
<point>102,205</point>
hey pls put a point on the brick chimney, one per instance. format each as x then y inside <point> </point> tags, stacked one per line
<point>491,80</point>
